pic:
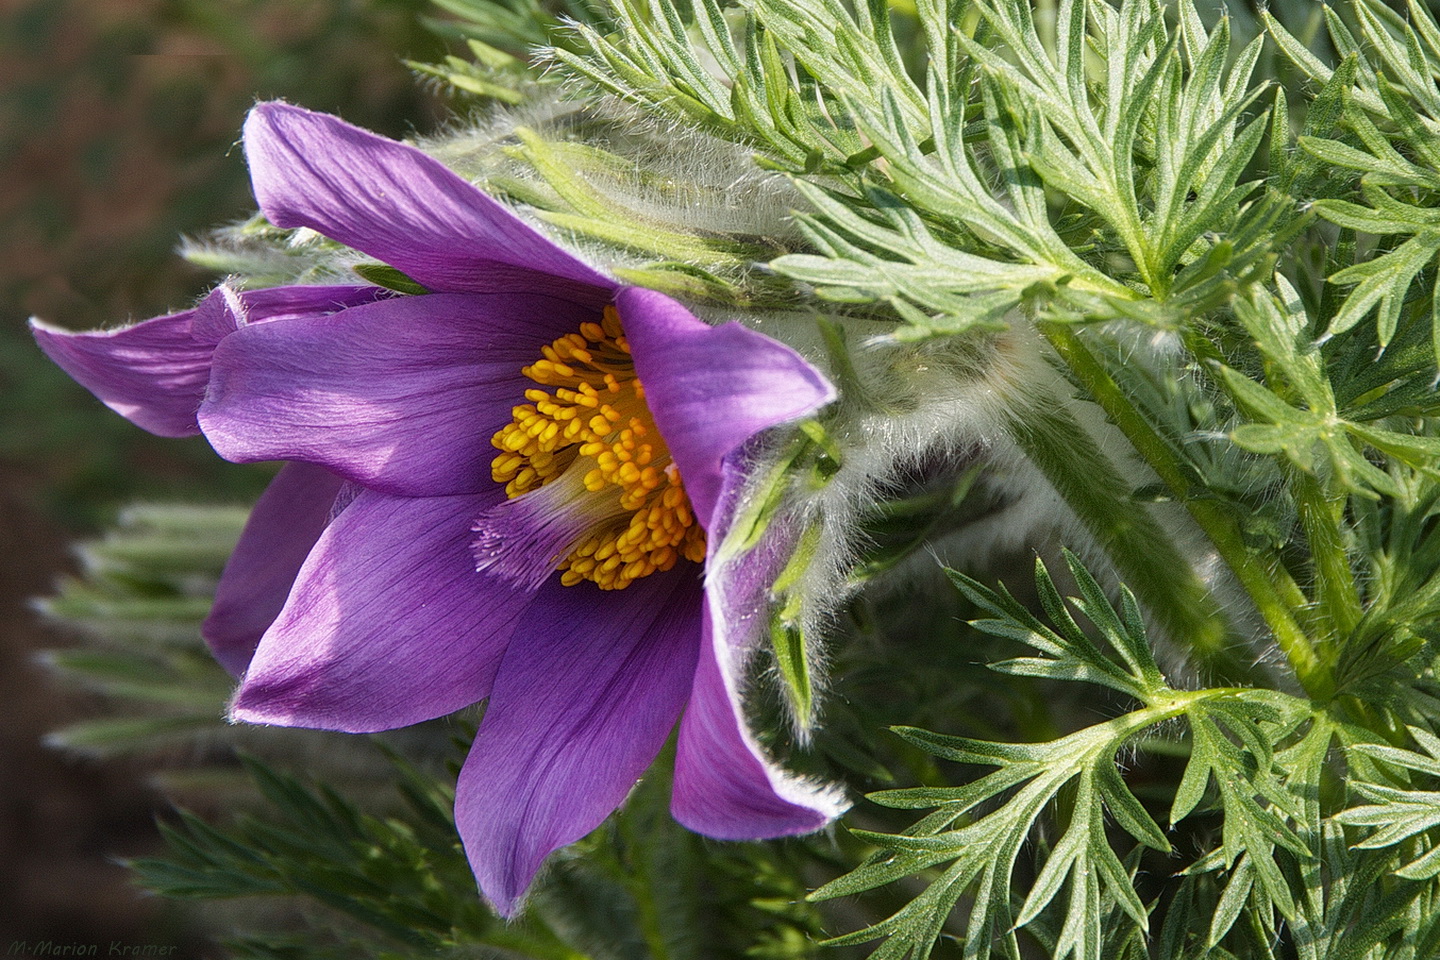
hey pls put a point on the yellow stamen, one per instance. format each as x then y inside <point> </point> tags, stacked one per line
<point>594,419</point>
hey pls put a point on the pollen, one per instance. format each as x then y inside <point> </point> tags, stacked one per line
<point>591,417</point>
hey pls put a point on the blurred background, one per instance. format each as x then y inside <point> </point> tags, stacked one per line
<point>118,129</point>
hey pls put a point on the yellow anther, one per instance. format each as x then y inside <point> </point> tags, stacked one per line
<point>594,419</point>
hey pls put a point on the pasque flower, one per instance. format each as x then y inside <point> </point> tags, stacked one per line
<point>501,488</point>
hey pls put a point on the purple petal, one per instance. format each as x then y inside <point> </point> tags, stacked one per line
<point>401,396</point>
<point>154,373</point>
<point>724,786</point>
<point>712,388</point>
<point>219,314</point>
<point>388,623</point>
<point>395,203</point>
<point>738,585</point>
<point>283,527</point>
<point>279,303</point>
<point>585,698</point>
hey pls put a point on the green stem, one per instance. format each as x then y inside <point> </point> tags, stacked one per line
<point>1274,593</point>
<point>1320,515</point>
<point>1132,539</point>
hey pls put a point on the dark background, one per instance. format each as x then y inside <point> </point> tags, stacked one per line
<point>118,129</point>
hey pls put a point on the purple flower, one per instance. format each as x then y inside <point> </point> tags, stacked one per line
<point>401,567</point>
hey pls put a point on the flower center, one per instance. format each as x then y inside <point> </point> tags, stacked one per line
<point>593,423</point>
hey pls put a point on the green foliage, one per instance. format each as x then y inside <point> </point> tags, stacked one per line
<point>1148,145</point>
<point>395,881</point>
<point>395,876</point>
<point>1258,793</point>
<point>492,74</point>
<point>1389,140</point>
<point>1299,412</point>
<point>384,275</point>
<point>499,36</point>
<point>1070,789</point>
<point>146,586</point>
<point>1403,814</point>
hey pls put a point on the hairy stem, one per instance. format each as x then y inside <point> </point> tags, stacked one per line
<point>1143,553</point>
<point>1269,585</point>
<point>1320,512</point>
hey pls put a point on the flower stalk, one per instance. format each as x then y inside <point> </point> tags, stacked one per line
<point>1143,554</point>
<point>1273,591</point>
<point>1322,511</point>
